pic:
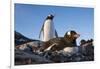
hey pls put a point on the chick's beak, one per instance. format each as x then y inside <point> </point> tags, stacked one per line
<point>77,35</point>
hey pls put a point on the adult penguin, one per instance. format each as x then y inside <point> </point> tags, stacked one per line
<point>48,29</point>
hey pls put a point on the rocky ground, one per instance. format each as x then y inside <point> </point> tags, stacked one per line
<point>23,57</point>
<point>27,53</point>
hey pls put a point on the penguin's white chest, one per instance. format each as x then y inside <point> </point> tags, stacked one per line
<point>49,31</point>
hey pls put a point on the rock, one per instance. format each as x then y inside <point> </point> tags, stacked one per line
<point>21,57</point>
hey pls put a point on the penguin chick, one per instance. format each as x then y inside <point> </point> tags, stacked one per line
<point>69,40</point>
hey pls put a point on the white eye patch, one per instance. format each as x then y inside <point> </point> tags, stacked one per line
<point>69,33</point>
<point>49,15</point>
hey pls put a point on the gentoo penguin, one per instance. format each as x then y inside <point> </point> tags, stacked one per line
<point>48,29</point>
<point>56,44</point>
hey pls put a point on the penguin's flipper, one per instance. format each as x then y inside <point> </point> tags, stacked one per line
<point>56,34</point>
<point>41,31</point>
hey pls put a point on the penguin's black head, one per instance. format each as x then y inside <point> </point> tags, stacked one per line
<point>50,17</point>
<point>82,42</point>
<point>71,35</point>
